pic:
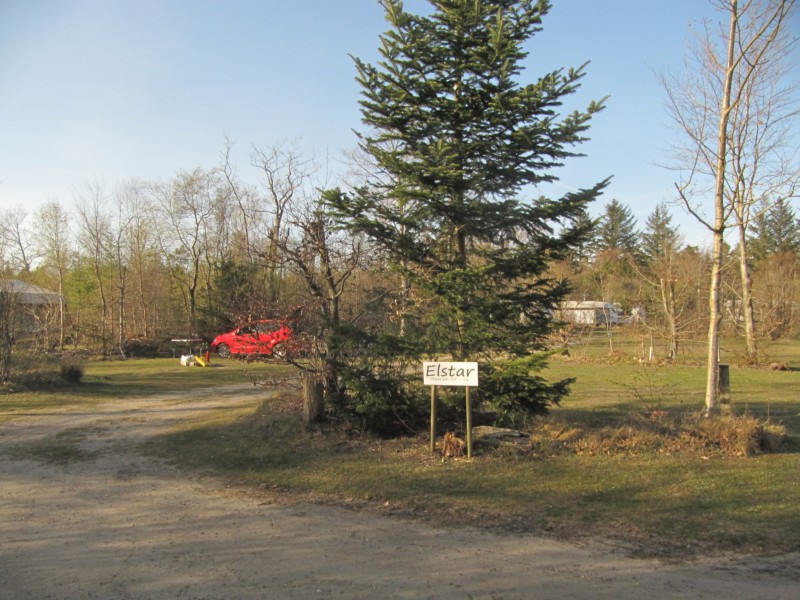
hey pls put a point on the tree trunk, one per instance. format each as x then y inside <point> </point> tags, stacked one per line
<point>60,309</point>
<point>748,312</point>
<point>313,399</point>
<point>103,305</point>
<point>668,302</point>
<point>714,320</point>
<point>121,333</point>
<point>7,301</point>
<point>714,304</point>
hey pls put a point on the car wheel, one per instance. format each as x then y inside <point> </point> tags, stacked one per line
<point>223,351</point>
<point>279,351</point>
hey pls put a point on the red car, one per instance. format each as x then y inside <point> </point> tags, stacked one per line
<point>266,338</point>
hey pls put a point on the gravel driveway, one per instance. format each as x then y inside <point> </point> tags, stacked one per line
<point>110,523</point>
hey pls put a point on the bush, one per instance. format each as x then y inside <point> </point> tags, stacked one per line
<point>143,348</point>
<point>374,389</point>
<point>516,394</point>
<point>71,372</point>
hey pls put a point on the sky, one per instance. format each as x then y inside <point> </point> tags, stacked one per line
<point>109,90</point>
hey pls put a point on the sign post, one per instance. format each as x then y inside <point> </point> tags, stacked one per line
<point>433,418</point>
<point>457,374</point>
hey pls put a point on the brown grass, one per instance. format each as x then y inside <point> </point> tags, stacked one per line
<point>660,433</point>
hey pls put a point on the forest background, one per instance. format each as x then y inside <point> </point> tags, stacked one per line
<point>141,263</point>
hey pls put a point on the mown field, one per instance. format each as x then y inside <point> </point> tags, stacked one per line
<point>614,384</point>
<point>665,503</point>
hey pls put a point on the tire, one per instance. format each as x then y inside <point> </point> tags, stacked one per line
<point>223,351</point>
<point>279,351</point>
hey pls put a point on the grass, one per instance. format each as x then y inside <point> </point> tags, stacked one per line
<point>609,391</point>
<point>655,503</point>
<point>661,503</point>
<point>109,380</point>
<point>666,505</point>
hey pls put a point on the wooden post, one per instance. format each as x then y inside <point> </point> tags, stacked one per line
<point>469,424</point>
<point>313,399</point>
<point>433,419</point>
<point>724,384</point>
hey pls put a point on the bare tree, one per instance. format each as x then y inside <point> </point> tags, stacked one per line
<point>763,152</point>
<point>365,172</point>
<point>286,173</point>
<point>248,211</point>
<point>777,287</point>
<point>187,206</point>
<point>128,210</point>
<point>142,246</point>
<point>53,237</point>
<point>17,239</point>
<point>94,239</point>
<point>673,279</point>
<point>703,103</point>
<point>263,217</point>
<point>326,259</point>
<point>291,236</point>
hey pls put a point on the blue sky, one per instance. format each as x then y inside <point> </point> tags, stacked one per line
<point>106,90</point>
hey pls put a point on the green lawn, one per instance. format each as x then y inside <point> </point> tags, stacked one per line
<point>613,389</point>
<point>109,380</point>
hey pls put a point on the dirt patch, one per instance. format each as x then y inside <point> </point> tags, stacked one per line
<point>84,515</point>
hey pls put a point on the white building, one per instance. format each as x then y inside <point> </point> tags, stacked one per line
<point>589,312</point>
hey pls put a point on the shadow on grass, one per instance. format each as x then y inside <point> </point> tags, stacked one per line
<point>662,505</point>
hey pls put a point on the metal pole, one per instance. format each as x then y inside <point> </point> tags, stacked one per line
<point>469,425</point>
<point>433,419</point>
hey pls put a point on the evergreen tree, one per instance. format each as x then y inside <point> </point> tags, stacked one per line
<point>783,226</point>
<point>584,250</point>
<point>463,142</point>
<point>660,238</point>
<point>758,238</point>
<point>617,230</point>
<point>775,230</point>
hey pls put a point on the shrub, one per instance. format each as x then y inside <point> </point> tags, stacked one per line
<point>516,394</point>
<point>143,348</point>
<point>71,372</point>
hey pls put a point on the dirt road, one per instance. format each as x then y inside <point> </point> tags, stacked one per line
<point>110,523</point>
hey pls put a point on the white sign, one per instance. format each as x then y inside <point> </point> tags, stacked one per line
<point>450,373</point>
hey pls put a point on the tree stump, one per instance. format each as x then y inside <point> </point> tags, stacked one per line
<point>313,399</point>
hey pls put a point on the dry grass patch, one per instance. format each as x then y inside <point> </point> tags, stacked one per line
<point>660,433</point>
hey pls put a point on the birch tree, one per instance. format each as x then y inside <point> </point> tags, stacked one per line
<point>53,237</point>
<point>707,103</point>
<point>763,153</point>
